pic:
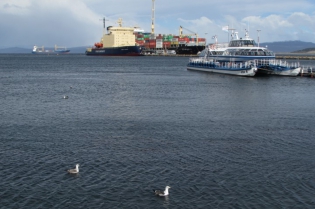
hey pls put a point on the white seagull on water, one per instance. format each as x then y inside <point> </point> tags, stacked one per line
<point>162,193</point>
<point>74,171</point>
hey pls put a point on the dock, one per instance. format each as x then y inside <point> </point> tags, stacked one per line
<point>296,56</point>
<point>307,72</point>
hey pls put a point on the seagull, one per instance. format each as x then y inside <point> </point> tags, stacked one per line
<point>65,97</point>
<point>74,171</point>
<point>162,193</point>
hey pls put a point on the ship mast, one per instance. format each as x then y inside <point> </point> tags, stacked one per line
<point>153,18</point>
<point>258,36</point>
<point>104,29</point>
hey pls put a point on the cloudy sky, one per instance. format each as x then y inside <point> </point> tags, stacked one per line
<point>71,23</point>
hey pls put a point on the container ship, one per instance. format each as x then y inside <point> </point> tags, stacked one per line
<point>57,50</point>
<point>179,44</point>
<point>183,44</point>
<point>118,41</point>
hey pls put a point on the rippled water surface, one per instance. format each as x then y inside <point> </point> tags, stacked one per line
<point>138,124</point>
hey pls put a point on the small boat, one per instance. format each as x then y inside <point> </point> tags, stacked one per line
<point>278,67</point>
<point>245,68</point>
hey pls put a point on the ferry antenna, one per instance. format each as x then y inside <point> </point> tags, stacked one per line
<point>258,36</point>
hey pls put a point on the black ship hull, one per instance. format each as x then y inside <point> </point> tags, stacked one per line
<point>189,50</point>
<point>115,51</point>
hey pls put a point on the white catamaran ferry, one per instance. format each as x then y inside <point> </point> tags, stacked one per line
<point>246,49</point>
<point>238,49</point>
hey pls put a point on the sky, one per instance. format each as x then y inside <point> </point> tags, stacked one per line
<point>75,23</point>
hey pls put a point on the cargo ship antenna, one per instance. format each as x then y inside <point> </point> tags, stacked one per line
<point>153,17</point>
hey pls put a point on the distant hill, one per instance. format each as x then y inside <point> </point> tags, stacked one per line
<point>277,47</point>
<point>287,46</point>
<point>15,50</point>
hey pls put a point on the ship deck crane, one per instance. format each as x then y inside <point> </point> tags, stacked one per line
<point>192,33</point>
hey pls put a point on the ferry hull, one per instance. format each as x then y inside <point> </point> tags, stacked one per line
<point>115,51</point>
<point>238,72</point>
<point>238,69</point>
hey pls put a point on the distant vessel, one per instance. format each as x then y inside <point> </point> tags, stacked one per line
<point>119,41</point>
<point>57,50</point>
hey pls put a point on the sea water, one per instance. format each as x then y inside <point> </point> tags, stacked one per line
<point>135,124</point>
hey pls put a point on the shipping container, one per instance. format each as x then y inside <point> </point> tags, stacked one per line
<point>183,39</point>
<point>159,45</point>
<point>201,39</point>
<point>166,44</point>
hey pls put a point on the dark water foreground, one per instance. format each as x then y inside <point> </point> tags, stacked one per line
<point>137,124</point>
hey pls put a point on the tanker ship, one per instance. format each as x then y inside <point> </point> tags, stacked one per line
<point>119,41</point>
